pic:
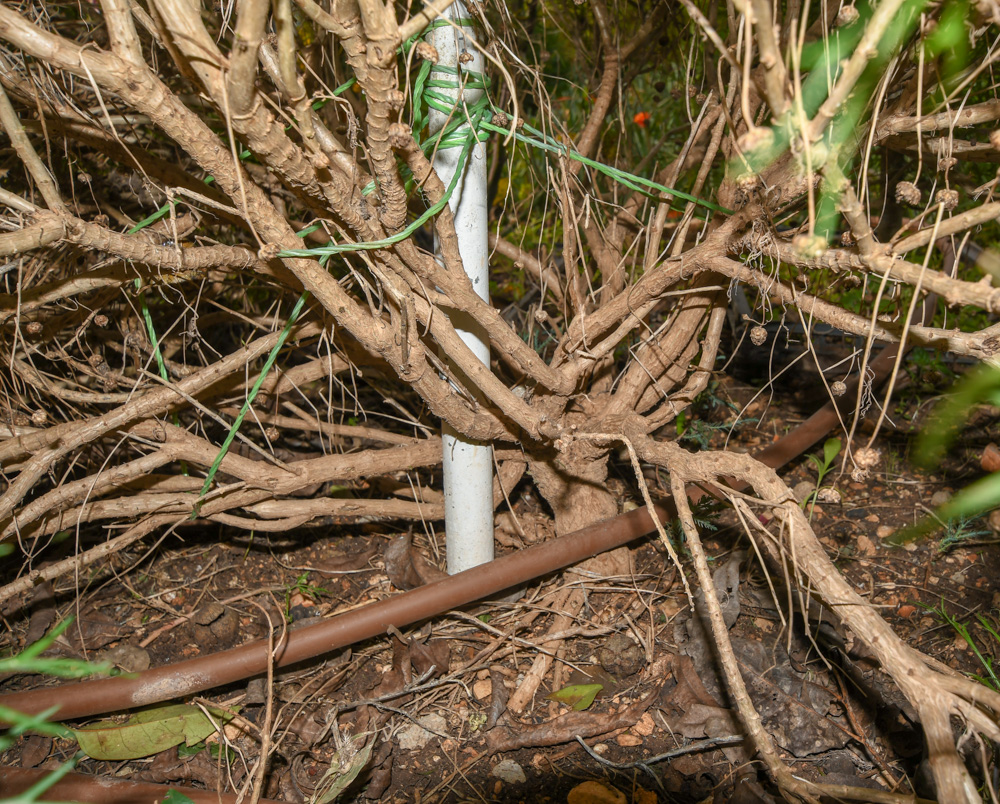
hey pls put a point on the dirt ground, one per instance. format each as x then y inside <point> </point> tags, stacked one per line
<point>448,736</point>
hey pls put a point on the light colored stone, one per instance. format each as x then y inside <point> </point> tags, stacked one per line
<point>627,740</point>
<point>884,531</point>
<point>939,498</point>
<point>866,546</point>
<point>416,736</point>
<point>802,490</point>
<point>510,772</point>
<point>482,689</point>
<point>130,658</point>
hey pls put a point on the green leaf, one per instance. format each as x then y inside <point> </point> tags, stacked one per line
<point>148,732</point>
<point>190,750</point>
<point>971,501</point>
<point>173,797</point>
<point>578,696</point>
<point>345,766</point>
<point>831,449</point>
<point>31,661</point>
<point>977,386</point>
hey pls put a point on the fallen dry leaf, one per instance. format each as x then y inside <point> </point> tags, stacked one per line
<point>645,725</point>
<point>595,793</point>
<point>406,567</point>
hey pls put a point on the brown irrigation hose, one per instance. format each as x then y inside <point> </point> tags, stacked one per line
<point>88,698</point>
<point>105,790</point>
<point>176,680</point>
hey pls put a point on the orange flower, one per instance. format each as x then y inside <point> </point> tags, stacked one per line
<point>641,118</point>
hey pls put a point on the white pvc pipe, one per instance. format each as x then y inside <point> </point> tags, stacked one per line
<point>468,465</point>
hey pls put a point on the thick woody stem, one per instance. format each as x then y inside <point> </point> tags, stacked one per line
<point>973,115</point>
<point>720,633</point>
<point>599,332</point>
<point>953,291</point>
<point>857,219</point>
<point>141,89</point>
<point>121,31</point>
<point>263,133</point>
<point>251,22</point>
<point>48,446</point>
<point>334,150</point>
<point>775,75</point>
<point>46,183</point>
<point>958,223</point>
<point>380,85</point>
<point>31,237</point>
<point>453,280</point>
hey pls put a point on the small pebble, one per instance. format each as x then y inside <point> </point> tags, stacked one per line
<point>416,736</point>
<point>130,658</point>
<point>802,490</point>
<point>939,498</point>
<point>227,627</point>
<point>209,613</point>
<point>884,531</point>
<point>990,461</point>
<point>256,691</point>
<point>866,546</point>
<point>510,772</point>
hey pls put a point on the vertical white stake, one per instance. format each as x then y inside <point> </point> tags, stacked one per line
<point>468,465</point>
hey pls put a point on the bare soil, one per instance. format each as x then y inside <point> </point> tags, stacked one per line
<point>834,715</point>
